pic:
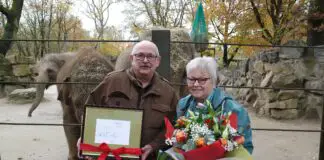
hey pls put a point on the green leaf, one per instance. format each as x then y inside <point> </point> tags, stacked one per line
<point>200,119</point>
<point>192,115</point>
<point>210,108</point>
<point>225,133</point>
<point>162,156</point>
<point>216,127</point>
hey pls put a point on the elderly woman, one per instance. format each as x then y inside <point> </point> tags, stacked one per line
<point>201,81</point>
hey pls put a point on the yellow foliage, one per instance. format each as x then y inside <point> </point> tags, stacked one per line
<point>235,22</point>
<point>111,48</point>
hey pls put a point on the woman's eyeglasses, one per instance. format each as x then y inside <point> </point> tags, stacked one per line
<point>201,81</point>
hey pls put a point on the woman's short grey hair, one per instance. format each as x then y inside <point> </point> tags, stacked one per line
<point>207,64</point>
<point>145,42</point>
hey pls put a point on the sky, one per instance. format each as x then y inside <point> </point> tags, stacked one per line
<point>116,17</point>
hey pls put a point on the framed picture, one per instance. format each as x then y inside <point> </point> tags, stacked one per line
<point>117,127</point>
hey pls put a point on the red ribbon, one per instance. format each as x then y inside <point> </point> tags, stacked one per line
<point>105,150</point>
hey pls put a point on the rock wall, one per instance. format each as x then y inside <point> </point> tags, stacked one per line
<point>280,68</point>
<point>14,68</point>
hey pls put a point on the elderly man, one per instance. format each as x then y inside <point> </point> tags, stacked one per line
<point>140,87</point>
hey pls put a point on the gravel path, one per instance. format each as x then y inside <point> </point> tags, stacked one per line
<point>48,142</point>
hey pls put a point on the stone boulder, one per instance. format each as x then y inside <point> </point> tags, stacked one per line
<point>22,96</point>
<point>319,53</point>
<point>313,106</point>
<point>6,74</point>
<point>284,113</point>
<point>18,59</point>
<point>259,67</point>
<point>286,81</point>
<point>14,68</point>
<point>269,56</point>
<point>318,63</point>
<point>292,52</point>
<point>5,67</point>
<point>267,79</point>
<point>318,71</point>
<point>21,70</point>
<point>315,84</point>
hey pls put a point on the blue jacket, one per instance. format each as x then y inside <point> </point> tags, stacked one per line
<point>217,97</point>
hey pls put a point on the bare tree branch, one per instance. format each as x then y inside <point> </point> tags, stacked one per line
<point>165,13</point>
<point>4,10</point>
<point>98,11</point>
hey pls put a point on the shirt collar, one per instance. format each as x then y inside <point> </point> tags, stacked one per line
<point>154,86</point>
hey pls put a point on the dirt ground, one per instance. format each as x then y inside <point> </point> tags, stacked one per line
<point>25,142</point>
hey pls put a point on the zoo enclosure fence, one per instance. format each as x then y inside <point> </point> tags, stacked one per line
<point>164,44</point>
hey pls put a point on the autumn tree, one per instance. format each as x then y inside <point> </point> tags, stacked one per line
<point>48,19</point>
<point>12,15</point>
<point>223,17</point>
<point>37,18</point>
<point>112,48</point>
<point>230,22</point>
<point>276,18</point>
<point>63,18</point>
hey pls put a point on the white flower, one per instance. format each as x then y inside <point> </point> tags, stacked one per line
<point>198,131</point>
<point>230,146</point>
<point>232,130</point>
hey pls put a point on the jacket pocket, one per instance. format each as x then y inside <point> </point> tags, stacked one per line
<point>157,115</point>
<point>161,108</point>
<point>118,102</point>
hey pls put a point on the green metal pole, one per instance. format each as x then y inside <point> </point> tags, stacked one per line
<point>162,40</point>
<point>321,147</point>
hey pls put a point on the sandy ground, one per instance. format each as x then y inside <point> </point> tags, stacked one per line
<point>48,142</point>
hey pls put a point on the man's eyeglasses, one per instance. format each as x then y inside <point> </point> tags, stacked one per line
<point>201,81</point>
<point>149,57</point>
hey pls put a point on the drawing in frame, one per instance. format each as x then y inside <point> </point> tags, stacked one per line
<point>97,124</point>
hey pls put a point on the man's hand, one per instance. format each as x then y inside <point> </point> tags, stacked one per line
<point>147,150</point>
<point>78,146</point>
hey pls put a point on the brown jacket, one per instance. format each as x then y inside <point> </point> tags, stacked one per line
<point>121,89</point>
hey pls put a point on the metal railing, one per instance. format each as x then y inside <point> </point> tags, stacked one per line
<point>225,47</point>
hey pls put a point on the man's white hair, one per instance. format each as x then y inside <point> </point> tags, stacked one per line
<point>145,42</point>
<point>207,64</point>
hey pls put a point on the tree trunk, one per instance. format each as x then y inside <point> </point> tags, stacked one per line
<point>11,28</point>
<point>315,34</point>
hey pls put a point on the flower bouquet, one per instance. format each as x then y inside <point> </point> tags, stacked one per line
<point>205,134</point>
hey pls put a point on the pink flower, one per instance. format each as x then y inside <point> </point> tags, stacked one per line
<point>200,106</point>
